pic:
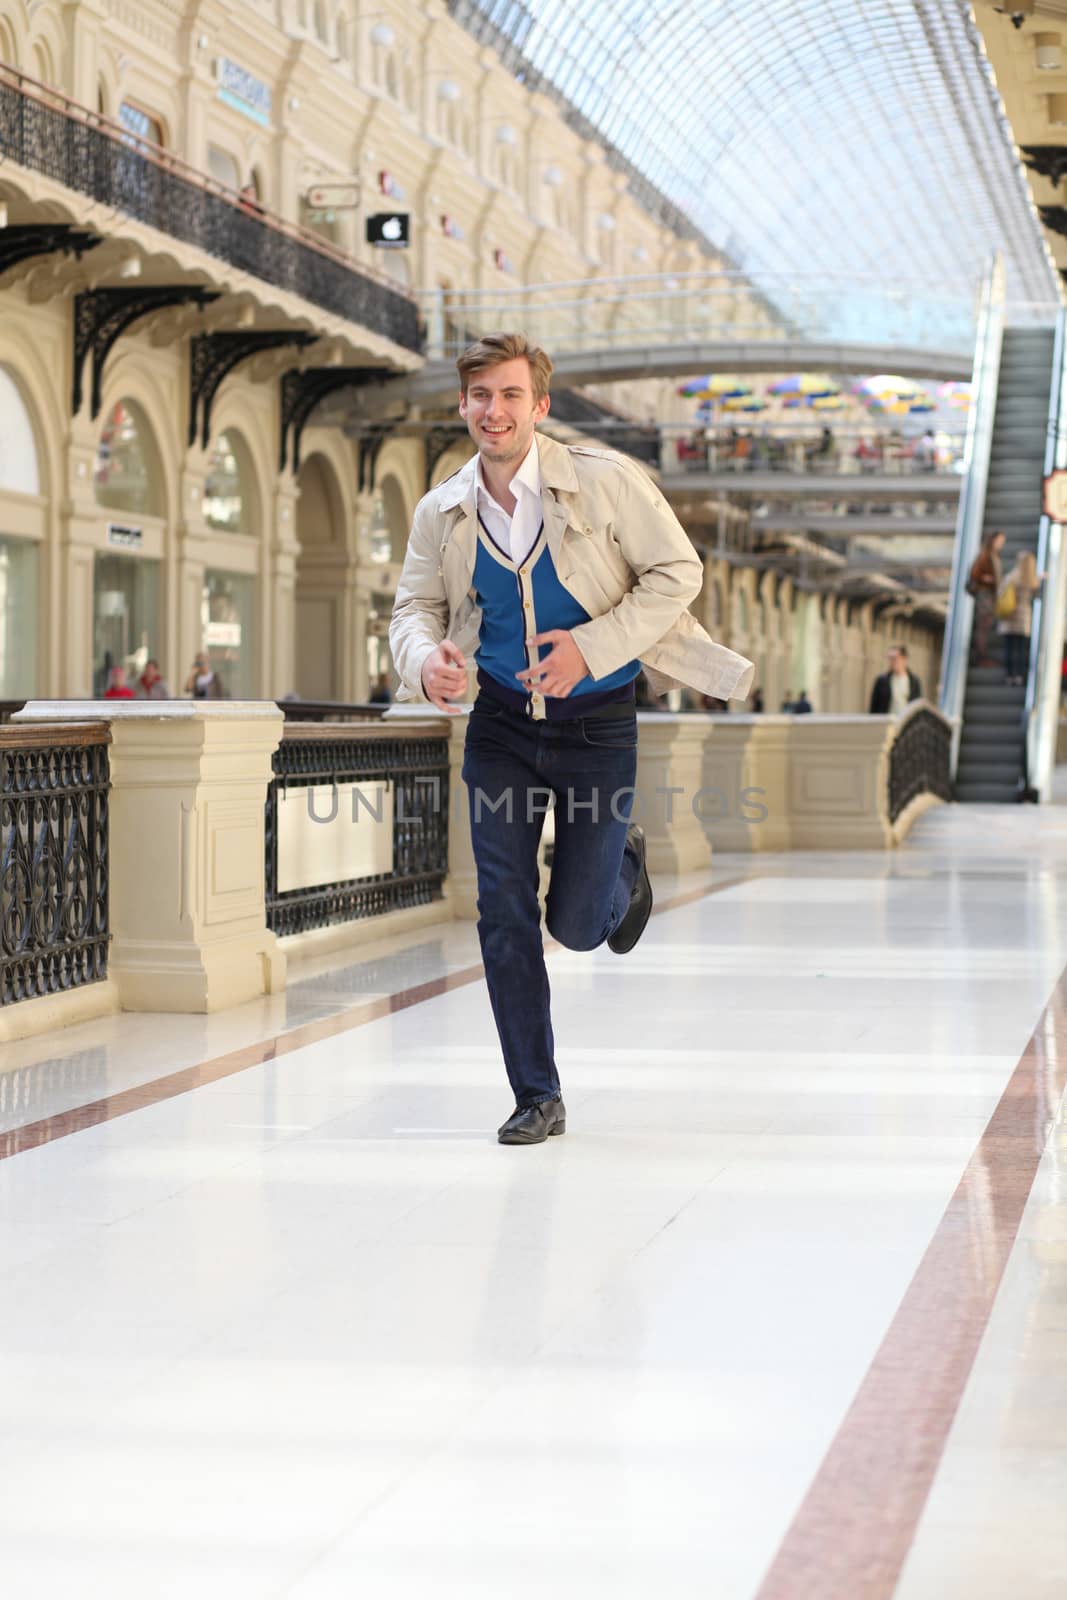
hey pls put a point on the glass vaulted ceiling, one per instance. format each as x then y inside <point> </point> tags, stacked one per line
<point>807,136</point>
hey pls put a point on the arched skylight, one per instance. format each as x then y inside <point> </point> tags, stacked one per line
<point>814,136</point>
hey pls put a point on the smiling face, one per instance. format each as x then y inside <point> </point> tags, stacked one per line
<point>501,412</point>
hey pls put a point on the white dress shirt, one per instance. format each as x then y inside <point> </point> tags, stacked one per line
<point>516,533</point>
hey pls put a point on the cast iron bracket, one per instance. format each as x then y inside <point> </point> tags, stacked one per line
<point>213,356</point>
<point>1048,160</point>
<point>303,391</point>
<point>102,316</point>
<point>20,243</point>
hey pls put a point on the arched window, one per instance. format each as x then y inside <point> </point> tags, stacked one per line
<point>223,167</point>
<point>391,86</point>
<point>19,558</point>
<point>19,469</point>
<point>42,69</point>
<point>127,475</point>
<point>227,505</point>
<point>141,124</point>
<point>322,27</point>
<point>342,37</point>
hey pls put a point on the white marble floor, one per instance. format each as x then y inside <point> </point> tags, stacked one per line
<point>308,1331</point>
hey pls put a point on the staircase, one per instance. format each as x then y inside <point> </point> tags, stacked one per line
<point>991,740</point>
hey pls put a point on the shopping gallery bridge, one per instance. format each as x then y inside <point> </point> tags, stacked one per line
<point>780,1316</point>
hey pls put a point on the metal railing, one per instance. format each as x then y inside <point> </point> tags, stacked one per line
<point>1041,707</point>
<point>413,759</point>
<point>54,783</point>
<point>603,312</point>
<point>854,452</point>
<point>971,512</point>
<point>919,758</point>
<point>45,131</point>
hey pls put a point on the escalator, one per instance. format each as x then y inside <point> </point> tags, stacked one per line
<point>992,754</point>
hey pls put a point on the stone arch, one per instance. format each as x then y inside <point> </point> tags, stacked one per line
<point>14,35</point>
<point>131,379</point>
<point>245,484</point>
<point>20,455</point>
<point>25,536</point>
<point>397,516</point>
<point>324,646</point>
<point>320,509</point>
<point>128,474</point>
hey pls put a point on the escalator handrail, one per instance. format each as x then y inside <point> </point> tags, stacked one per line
<point>1043,676</point>
<point>989,335</point>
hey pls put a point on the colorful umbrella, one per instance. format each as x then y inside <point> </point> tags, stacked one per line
<point>828,402</point>
<point>886,386</point>
<point>744,403</point>
<point>808,385</point>
<point>956,395</point>
<point>903,406</point>
<point>715,386</point>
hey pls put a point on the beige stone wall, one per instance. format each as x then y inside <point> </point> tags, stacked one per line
<point>833,647</point>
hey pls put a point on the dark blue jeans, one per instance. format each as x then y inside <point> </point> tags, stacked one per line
<point>513,768</point>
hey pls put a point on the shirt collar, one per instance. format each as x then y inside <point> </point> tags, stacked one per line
<point>528,476</point>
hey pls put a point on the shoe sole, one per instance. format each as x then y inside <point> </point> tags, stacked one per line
<point>557,1128</point>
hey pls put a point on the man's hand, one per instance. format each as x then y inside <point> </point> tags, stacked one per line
<point>561,669</point>
<point>444,673</point>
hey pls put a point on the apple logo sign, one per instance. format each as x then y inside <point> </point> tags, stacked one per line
<point>391,228</point>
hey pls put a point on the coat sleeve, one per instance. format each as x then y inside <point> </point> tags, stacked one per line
<point>664,586</point>
<point>420,612</point>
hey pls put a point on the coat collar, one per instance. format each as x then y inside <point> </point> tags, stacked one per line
<point>557,472</point>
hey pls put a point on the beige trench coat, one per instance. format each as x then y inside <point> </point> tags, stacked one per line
<point>618,549</point>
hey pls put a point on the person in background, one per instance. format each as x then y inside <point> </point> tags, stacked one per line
<point>787,700</point>
<point>150,685</point>
<point>381,694</point>
<point>984,584</point>
<point>117,687</point>
<point>894,690</point>
<point>203,683</point>
<point>802,705</point>
<point>757,700</point>
<point>1025,579</point>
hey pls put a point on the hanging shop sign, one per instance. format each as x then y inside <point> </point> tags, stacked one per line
<point>245,93</point>
<point>333,196</point>
<point>451,228</point>
<point>121,533</point>
<point>502,261</point>
<point>389,230</point>
<point>1054,495</point>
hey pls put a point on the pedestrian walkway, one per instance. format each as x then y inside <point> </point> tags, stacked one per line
<point>781,1315</point>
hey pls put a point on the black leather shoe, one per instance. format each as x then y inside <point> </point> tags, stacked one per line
<point>534,1124</point>
<point>639,910</point>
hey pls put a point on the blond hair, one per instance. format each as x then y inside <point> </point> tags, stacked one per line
<point>1027,568</point>
<point>495,348</point>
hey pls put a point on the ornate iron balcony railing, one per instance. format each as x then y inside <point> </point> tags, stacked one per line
<point>414,762</point>
<point>919,759</point>
<point>54,785</point>
<point>45,131</point>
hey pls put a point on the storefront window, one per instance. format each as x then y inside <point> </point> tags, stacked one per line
<point>125,616</point>
<point>379,657</point>
<point>227,637</point>
<point>123,478</point>
<point>18,618</point>
<point>225,506</point>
